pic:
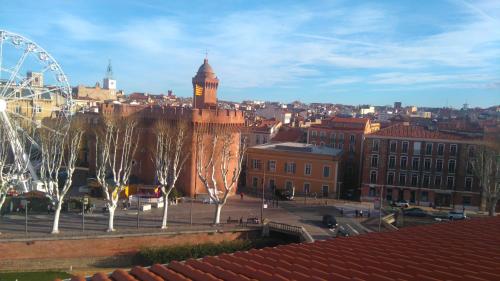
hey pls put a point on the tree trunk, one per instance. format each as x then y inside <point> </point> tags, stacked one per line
<point>55,225</point>
<point>218,208</point>
<point>2,200</point>
<point>492,206</point>
<point>111,210</point>
<point>165,211</point>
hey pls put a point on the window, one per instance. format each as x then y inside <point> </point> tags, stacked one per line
<point>256,164</point>
<point>416,147</point>
<point>257,139</point>
<point>427,164</point>
<point>472,151</point>
<point>451,166</point>
<point>341,145</point>
<point>470,168</point>
<point>341,137</point>
<point>437,181</point>
<point>440,149</point>
<point>393,146</point>
<point>37,109</point>
<point>351,147</point>
<point>468,183</point>
<point>403,163</point>
<point>352,138</point>
<point>426,180</point>
<point>392,162</point>
<point>453,150</point>
<point>322,134</point>
<point>374,161</point>
<point>332,137</point>
<point>439,165</point>
<point>372,192</point>
<point>414,180</point>
<point>450,182</point>
<point>402,179</point>
<point>404,148</point>
<point>290,168</point>
<point>271,165</point>
<point>390,178</point>
<point>264,139</point>
<point>466,200</point>
<point>314,134</point>
<point>428,149</point>
<point>308,169</point>
<point>375,145</point>
<point>373,177</point>
<point>326,171</point>
<point>18,109</point>
<point>415,161</point>
<point>388,194</point>
<point>307,188</point>
<point>255,181</point>
<point>424,196</point>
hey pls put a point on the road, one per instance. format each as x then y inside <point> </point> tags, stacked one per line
<point>291,212</point>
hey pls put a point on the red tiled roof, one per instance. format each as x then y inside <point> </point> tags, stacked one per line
<point>415,131</point>
<point>460,250</point>
<point>349,120</point>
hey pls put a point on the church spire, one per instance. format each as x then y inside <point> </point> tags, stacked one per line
<point>109,70</point>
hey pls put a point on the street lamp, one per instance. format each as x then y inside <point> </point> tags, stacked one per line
<point>381,191</point>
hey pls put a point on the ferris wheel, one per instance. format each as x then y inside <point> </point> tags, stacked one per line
<point>33,91</point>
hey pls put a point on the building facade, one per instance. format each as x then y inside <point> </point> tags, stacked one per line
<point>203,117</point>
<point>348,135</point>
<point>425,167</point>
<point>304,168</point>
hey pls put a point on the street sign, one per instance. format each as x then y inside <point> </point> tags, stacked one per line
<point>265,206</point>
<point>85,200</point>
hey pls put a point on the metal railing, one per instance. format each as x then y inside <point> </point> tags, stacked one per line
<point>299,231</point>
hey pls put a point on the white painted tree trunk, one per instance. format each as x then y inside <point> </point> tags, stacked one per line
<point>218,209</point>
<point>111,210</point>
<point>492,206</point>
<point>55,224</point>
<point>165,212</point>
<point>2,200</point>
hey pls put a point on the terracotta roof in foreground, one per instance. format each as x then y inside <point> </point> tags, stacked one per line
<point>459,250</point>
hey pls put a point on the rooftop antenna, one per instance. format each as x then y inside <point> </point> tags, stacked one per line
<point>206,54</point>
<point>109,70</point>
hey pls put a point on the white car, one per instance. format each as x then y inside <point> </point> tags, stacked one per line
<point>401,204</point>
<point>456,215</point>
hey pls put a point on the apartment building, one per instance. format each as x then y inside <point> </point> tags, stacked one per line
<point>304,168</point>
<point>425,167</point>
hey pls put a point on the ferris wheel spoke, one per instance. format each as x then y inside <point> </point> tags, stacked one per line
<point>25,83</point>
<point>34,94</point>
<point>34,122</point>
<point>15,71</point>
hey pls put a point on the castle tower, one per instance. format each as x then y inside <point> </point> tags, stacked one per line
<point>205,85</point>
<point>108,82</point>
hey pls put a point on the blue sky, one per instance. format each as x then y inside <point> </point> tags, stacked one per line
<point>426,53</point>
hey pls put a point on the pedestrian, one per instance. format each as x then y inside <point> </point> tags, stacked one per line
<point>368,213</point>
<point>360,213</point>
<point>241,220</point>
<point>356,211</point>
<point>342,212</point>
<point>48,209</point>
<point>241,195</point>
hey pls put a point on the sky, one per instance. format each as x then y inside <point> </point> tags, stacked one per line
<point>425,53</point>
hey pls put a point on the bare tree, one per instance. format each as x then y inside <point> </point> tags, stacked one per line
<point>218,157</point>
<point>170,155</point>
<point>116,145</point>
<point>486,167</point>
<point>59,150</point>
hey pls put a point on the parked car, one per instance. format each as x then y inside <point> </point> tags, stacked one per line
<point>415,212</point>
<point>342,232</point>
<point>456,215</point>
<point>401,204</point>
<point>329,221</point>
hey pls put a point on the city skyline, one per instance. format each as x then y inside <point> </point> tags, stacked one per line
<point>435,55</point>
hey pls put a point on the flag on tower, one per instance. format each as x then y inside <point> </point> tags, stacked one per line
<point>198,90</point>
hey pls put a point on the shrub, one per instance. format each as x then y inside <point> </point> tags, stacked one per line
<point>148,256</point>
